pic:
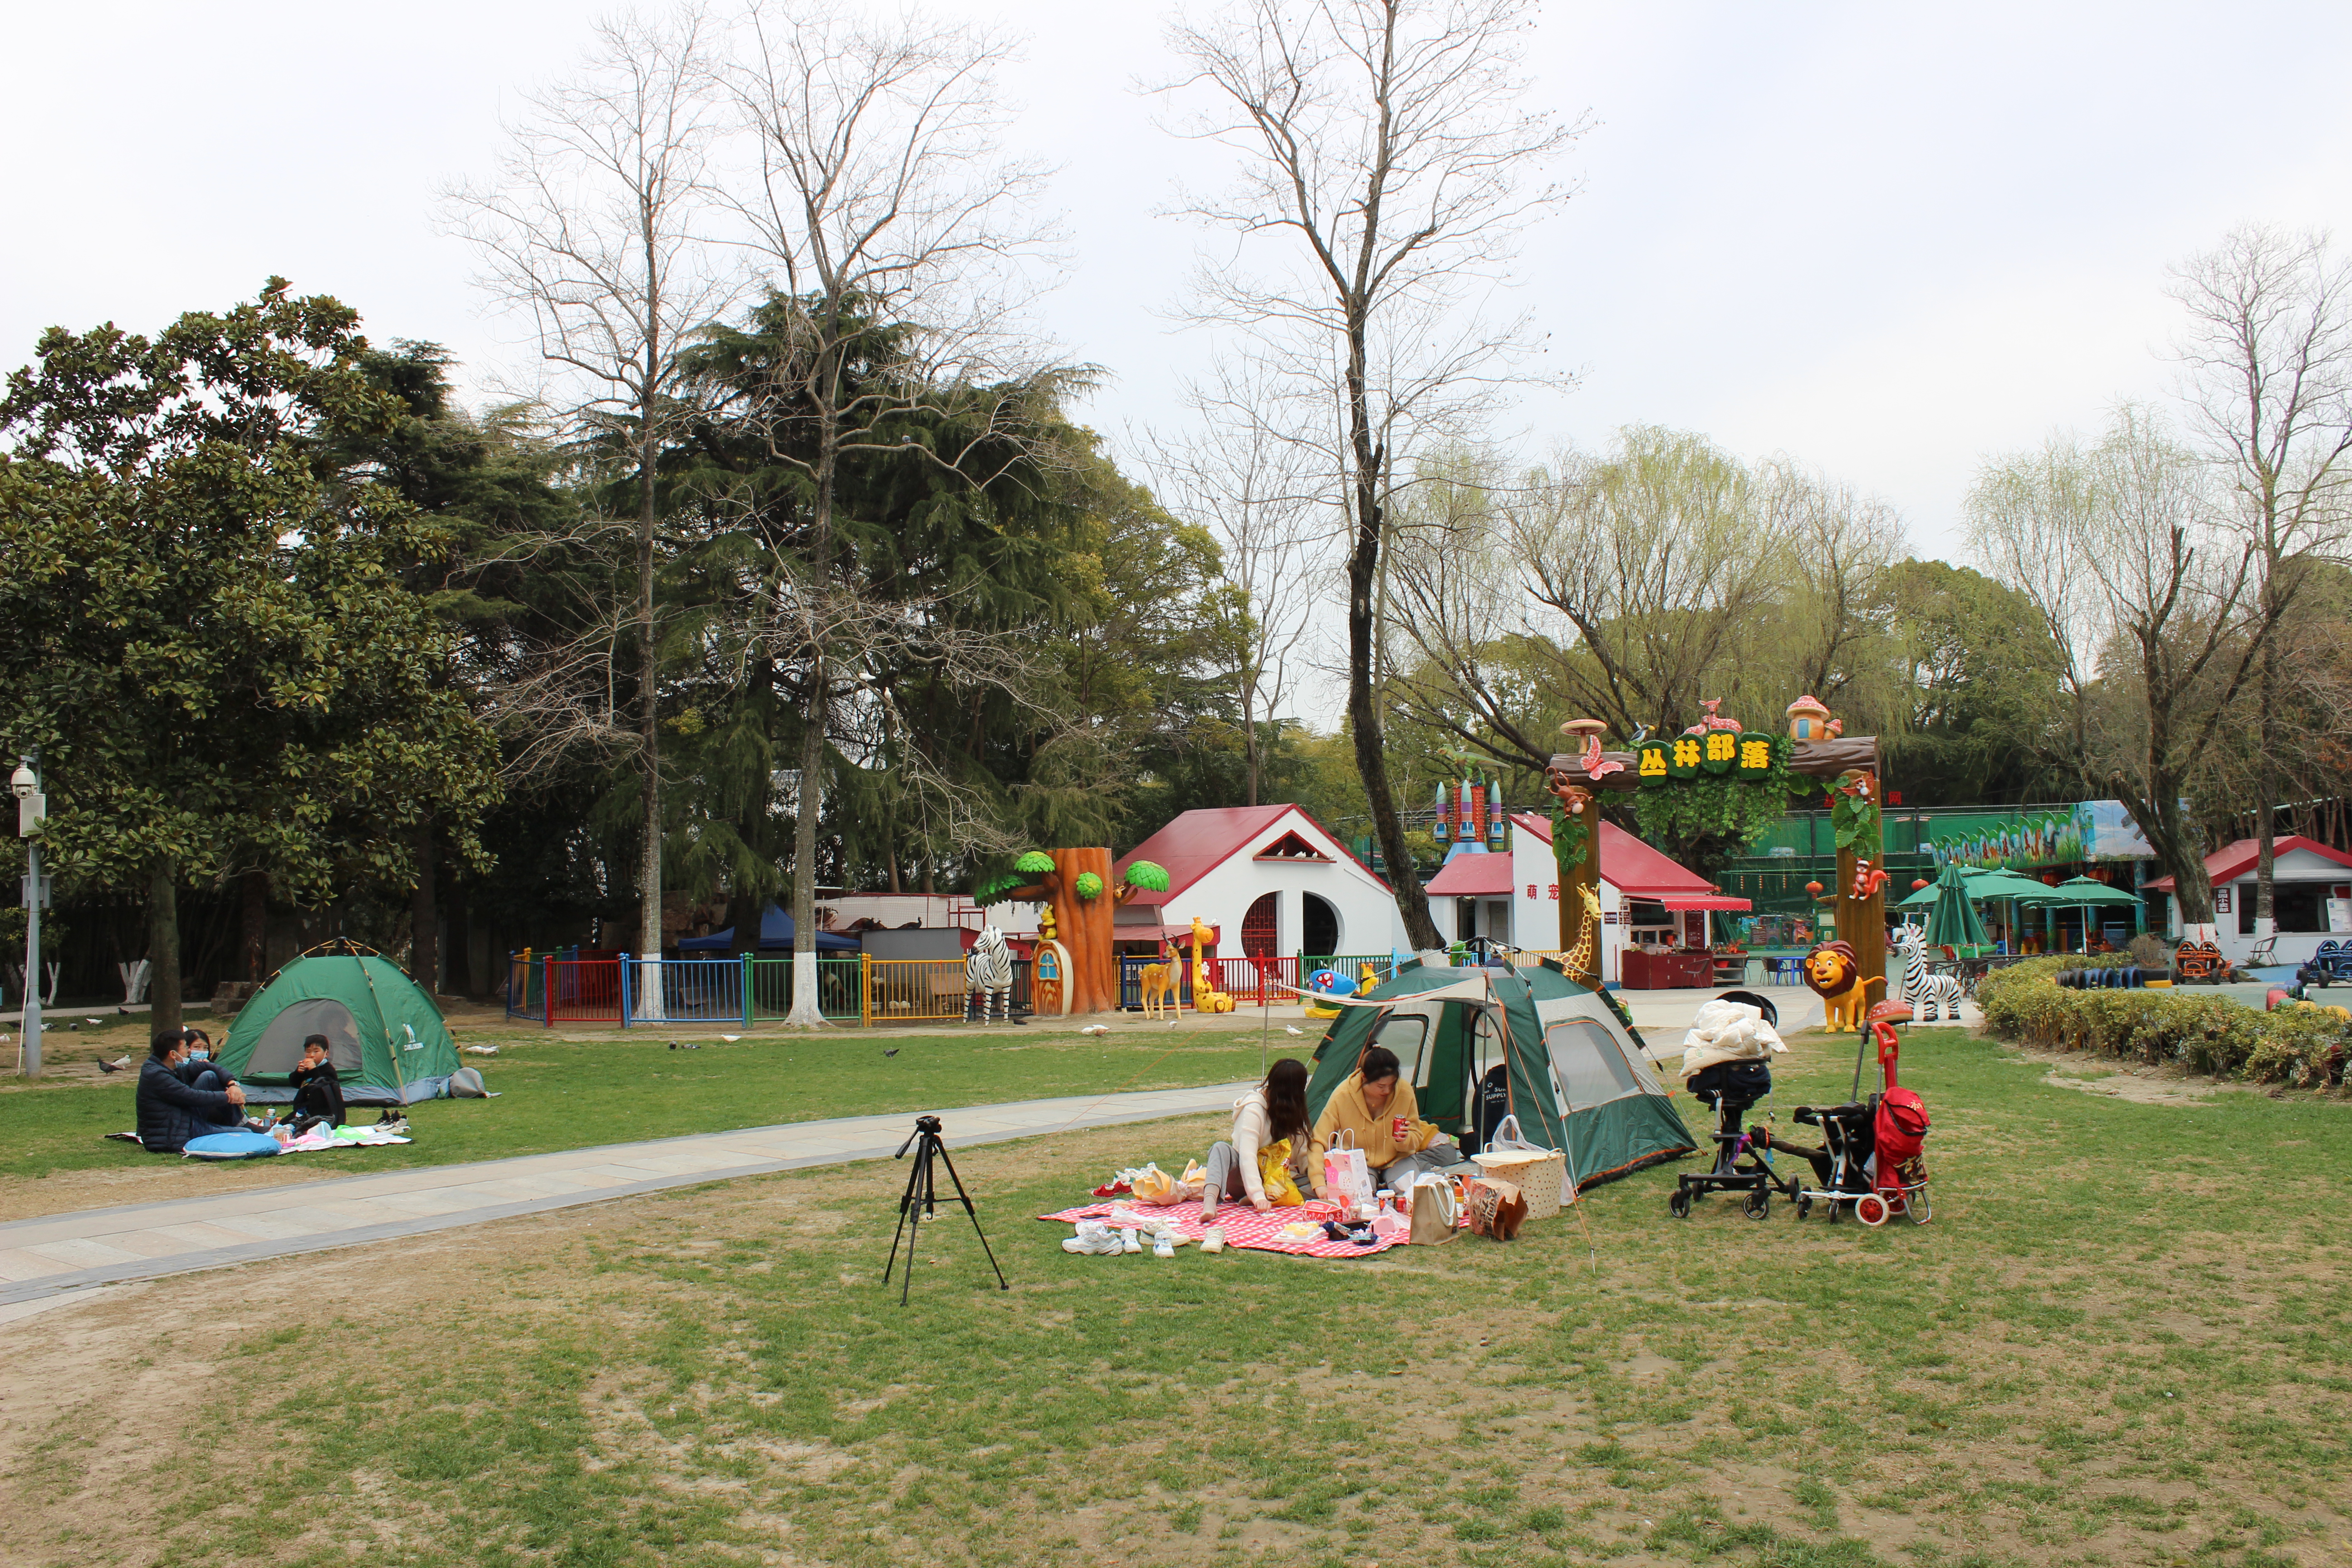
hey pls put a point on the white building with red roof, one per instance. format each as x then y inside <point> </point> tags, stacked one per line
<point>1515,898</point>
<point>2312,897</point>
<point>1271,878</point>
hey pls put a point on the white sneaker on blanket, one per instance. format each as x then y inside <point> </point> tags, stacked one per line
<point>1094,1239</point>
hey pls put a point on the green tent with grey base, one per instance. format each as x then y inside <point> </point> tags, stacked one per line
<point>1576,1078</point>
<point>386,1035</point>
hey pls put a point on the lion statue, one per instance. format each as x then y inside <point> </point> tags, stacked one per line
<point>1835,975</point>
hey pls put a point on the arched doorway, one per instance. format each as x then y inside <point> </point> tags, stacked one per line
<point>1319,925</point>
<point>1260,926</point>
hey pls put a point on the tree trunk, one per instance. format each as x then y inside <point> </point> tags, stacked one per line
<point>2266,779</point>
<point>1363,712</point>
<point>254,956</point>
<point>806,1011</point>
<point>649,791</point>
<point>424,915</point>
<point>1861,922</point>
<point>1084,928</point>
<point>163,946</point>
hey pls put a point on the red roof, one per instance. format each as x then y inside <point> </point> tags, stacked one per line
<point>1198,842</point>
<point>1472,877</point>
<point>1627,863</point>
<point>2232,861</point>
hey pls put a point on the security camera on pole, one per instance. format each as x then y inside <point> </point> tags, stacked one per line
<point>32,807</point>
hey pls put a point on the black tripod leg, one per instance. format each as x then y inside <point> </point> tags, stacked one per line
<point>1002,1283</point>
<point>916,1197</point>
<point>905,1201</point>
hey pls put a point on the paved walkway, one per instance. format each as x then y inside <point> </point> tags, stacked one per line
<point>45,1257</point>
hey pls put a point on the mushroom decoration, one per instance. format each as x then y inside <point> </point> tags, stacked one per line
<point>1808,720</point>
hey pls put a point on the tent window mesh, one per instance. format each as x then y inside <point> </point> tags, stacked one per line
<point>1407,1033</point>
<point>1588,1068</point>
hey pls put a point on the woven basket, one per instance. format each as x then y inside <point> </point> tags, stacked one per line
<point>1537,1177</point>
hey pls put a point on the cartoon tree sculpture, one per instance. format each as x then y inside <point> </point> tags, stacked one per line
<point>1072,882</point>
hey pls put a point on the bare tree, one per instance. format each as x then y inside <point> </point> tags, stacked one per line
<point>594,228</point>
<point>2125,549</point>
<point>2267,357</point>
<point>892,235</point>
<point>1247,477</point>
<point>1382,148</point>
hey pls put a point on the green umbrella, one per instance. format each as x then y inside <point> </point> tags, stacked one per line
<point>1952,919</point>
<point>2082,893</point>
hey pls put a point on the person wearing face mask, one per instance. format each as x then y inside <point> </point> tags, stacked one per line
<point>175,1104</point>
<point>1378,1108</point>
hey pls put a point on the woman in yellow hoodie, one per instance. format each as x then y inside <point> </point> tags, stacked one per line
<point>1371,1104</point>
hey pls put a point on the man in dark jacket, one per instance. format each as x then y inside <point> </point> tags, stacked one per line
<point>172,1110</point>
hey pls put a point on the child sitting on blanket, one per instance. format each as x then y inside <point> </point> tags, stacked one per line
<point>1274,1111</point>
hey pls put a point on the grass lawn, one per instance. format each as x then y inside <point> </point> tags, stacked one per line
<point>2125,1339</point>
<point>563,1090</point>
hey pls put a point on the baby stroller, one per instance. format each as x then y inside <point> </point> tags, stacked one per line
<point>1870,1158</point>
<point>1729,1087</point>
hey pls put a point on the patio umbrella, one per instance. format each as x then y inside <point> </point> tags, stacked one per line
<point>1952,920</point>
<point>2085,893</point>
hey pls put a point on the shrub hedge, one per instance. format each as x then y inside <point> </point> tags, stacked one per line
<point>2200,1032</point>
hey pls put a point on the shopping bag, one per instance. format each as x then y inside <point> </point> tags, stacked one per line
<point>1347,1179</point>
<point>1435,1216</point>
<point>1193,1183</point>
<point>1496,1208</point>
<point>1273,1176</point>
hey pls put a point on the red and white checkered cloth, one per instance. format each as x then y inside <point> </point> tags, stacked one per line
<point>1245,1226</point>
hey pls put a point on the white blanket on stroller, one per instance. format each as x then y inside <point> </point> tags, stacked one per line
<point>1728,1032</point>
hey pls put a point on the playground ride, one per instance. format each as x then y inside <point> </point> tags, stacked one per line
<point>1206,997</point>
<point>1075,887</point>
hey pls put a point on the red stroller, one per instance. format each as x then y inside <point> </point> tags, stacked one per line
<point>1870,1156</point>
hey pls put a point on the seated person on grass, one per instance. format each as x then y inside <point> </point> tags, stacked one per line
<point>317,1087</point>
<point>1274,1112</point>
<point>1371,1104</point>
<point>171,1109</point>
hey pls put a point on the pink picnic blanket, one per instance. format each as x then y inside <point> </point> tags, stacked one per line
<point>1245,1228</point>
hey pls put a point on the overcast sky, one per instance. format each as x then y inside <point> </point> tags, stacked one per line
<point>1885,239</point>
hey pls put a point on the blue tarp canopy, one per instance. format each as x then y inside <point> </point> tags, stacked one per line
<point>775,933</point>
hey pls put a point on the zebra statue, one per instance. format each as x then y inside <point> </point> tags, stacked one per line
<point>988,969</point>
<point>1923,991</point>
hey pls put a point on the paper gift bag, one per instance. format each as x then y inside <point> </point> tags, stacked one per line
<point>1435,1219</point>
<point>1496,1208</point>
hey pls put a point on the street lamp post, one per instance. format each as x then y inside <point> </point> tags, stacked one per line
<point>32,805</point>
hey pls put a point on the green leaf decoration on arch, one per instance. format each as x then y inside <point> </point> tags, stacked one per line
<point>1146,875</point>
<point>1036,863</point>
<point>1088,885</point>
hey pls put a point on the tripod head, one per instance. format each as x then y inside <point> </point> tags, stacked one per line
<point>925,1127</point>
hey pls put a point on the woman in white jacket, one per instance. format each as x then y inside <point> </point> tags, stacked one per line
<point>1266,1115</point>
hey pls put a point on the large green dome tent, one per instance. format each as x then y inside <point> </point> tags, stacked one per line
<point>385,1033</point>
<point>1578,1080</point>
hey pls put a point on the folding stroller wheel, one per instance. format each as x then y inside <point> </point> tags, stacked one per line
<point>1679,1204</point>
<point>1872,1210</point>
<point>1804,1207</point>
<point>1757,1204</point>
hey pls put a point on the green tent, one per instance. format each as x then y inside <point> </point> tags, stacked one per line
<point>1578,1080</point>
<point>383,1031</point>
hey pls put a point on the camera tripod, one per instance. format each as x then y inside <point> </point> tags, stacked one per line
<point>921,1193</point>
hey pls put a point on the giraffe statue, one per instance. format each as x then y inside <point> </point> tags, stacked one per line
<point>1578,960</point>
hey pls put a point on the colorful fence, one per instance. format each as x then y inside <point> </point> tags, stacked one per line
<point>561,988</point>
